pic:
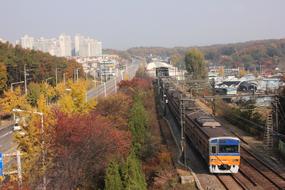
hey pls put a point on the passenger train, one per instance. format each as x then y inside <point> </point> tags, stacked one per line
<point>220,150</point>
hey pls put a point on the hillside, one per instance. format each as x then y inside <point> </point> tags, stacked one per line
<point>267,54</point>
<point>40,66</point>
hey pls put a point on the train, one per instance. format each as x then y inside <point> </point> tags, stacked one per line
<point>220,150</point>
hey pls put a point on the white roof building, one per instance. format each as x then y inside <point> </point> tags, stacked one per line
<point>165,69</point>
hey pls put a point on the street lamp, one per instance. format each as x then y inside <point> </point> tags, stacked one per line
<point>13,83</point>
<point>49,79</point>
<point>43,142</point>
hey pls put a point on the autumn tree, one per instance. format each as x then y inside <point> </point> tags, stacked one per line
<point>73,97</point>
<point>176,59</point>
<point>48,91</point>
<point>116,108</point>
<point>195,64</point>
<point>134,86</point>
<point>14,99</point>
<point>30,140</point>
<point>84,144</point>
<point>43,64</point>
<point>66,103</point>
<point>3,77</point>
<point>34,91</point>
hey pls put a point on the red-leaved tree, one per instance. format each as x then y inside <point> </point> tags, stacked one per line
<point>131,87</point>
<point>116,109</point>
<point>83,146</point>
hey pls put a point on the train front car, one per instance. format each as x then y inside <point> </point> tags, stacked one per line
<point>224,154</point>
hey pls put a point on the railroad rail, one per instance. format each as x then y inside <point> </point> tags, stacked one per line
<point>230,182</point>
<point>254,172</point>
<point>269,174</point>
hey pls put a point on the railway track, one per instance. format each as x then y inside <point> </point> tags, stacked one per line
<point>230,182</point>
<point>254,173</point>
<point>252,166</point>
<point>271,178</point>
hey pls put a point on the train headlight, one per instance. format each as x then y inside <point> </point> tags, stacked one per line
<point>235,160</point>
<point>213,159</point>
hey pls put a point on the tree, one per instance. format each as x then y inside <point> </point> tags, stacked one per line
<point>138,121</point>
<point>48,91</point>
<point>3,77</point>
<point>175,59</point>
<point>83,146</point>
<point>195,64</point>
<point>30,141</point>
<point>113,179</point>
<point>133,177</point>
<point>14,99</point>
<point>227,50</point>
<point>43,64</point>
<point>116,108</point>
<point>66,103</point>
<point>78,93</point>
<point>34,91</point>
<point>72,97</point>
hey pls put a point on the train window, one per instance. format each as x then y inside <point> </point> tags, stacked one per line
<point>214,149</point>
<point>228,149</point>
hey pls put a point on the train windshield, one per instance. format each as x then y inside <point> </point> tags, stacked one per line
<point>228,149</point>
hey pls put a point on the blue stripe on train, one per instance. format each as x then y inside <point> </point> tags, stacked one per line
<point>225,142</point>
<point>225,154</point>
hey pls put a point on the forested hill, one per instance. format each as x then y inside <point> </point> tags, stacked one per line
<point>40,66</point>
<point>267,53</point>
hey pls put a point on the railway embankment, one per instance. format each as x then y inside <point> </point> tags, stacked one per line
<point>182,179</point>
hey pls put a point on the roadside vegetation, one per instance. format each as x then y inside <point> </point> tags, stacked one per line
<point>111,143</point>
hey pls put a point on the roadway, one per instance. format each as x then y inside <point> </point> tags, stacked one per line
<point>6,139</point>
<point>110,86</point>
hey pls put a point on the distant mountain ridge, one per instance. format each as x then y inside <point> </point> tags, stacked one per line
<point>267,54</point>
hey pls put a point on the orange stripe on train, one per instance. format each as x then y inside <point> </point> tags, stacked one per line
<point>229,160</point>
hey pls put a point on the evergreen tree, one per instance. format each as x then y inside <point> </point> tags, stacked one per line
<point>138,121</point>
<point>113,178</point>
<point>133,177</point>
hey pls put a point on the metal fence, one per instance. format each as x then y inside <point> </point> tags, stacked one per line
<point>110,86</point>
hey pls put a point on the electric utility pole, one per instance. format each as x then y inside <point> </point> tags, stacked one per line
<point>25,76</point>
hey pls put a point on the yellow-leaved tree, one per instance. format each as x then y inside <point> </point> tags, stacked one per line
<point>14,99</point>
<point>35,141</point>
<point>48,91</point>
<point>66,103</point>
<point>74,98</point>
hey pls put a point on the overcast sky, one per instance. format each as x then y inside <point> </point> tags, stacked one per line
<point>122,24</point>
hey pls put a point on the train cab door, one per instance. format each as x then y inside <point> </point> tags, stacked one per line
<point>213,149</point>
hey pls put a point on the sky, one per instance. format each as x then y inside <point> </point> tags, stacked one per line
<point>122,24</point>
